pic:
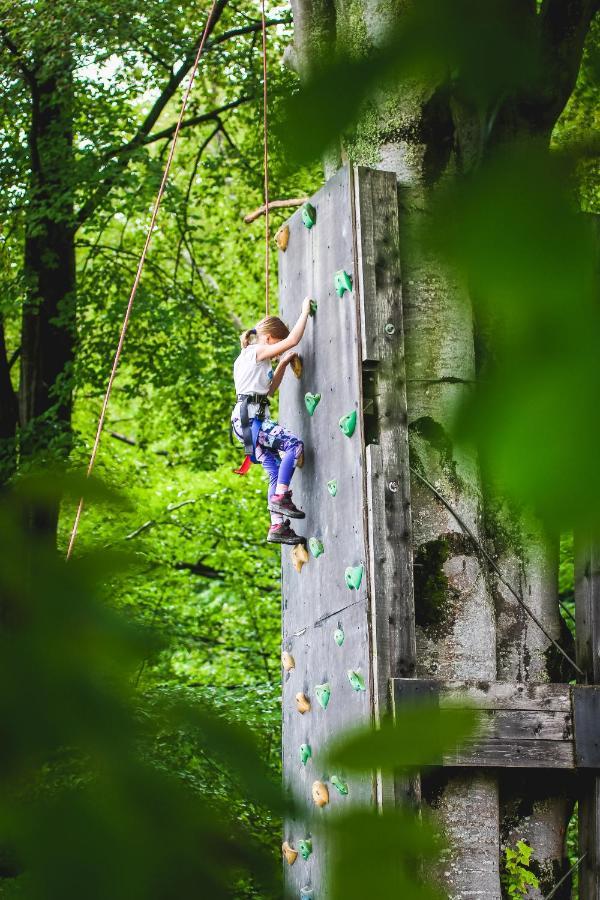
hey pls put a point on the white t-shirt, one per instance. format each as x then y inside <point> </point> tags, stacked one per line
<point>251,376</point>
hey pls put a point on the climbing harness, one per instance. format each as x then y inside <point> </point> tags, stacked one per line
<point>250,427</point>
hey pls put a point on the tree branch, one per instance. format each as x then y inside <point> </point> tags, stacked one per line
<point>14,51</point>
<point>125,152</point>
<point>194,120</point>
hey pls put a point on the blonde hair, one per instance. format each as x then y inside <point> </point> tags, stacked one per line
<point>271,325</point>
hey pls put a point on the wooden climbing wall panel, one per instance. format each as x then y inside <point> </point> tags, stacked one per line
<point>353,357</point>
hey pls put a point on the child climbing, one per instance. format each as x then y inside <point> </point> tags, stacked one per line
<point>265,441</point>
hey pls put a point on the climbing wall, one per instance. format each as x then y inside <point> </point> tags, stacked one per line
<point>347,614</point>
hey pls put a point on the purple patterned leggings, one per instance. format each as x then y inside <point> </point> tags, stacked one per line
<point>277,450</point>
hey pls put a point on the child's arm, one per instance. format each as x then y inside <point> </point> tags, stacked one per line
<point>280,371</point>
<point>270,351</point>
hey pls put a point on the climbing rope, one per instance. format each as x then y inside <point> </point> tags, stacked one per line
<point>138,274</point>
<point>265,155</point>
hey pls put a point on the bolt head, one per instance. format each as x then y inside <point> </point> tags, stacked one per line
<point>390,328</point>
<point>394,487</point>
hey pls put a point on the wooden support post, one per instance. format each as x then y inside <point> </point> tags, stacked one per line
<point>587,627</point>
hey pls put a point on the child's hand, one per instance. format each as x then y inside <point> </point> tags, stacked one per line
<point>306,306</point>
<point>287,358</point>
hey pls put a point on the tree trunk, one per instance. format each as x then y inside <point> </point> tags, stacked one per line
<point>426,135</point>
<point>8,415</point>
<point>48,322</point>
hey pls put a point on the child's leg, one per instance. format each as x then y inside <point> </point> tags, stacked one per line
<point>278,451</point>
<point>290,449</point>
<point>271,463</point>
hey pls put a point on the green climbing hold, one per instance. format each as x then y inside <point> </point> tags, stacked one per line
<point>356,680</point>
<point>348,423</point>
<point>332,487</point>
<point>311,401</point>
<point>338,636</point>
<point>313,308</point>
<point>305,848</point>
<point>353,576</point>
<point>315,546</point>
<point>307,893</point>
<point>323,693</point>
<point>309,215</point>
<point>342,282</point>
<point>340,786</point>
<point>305,753</point>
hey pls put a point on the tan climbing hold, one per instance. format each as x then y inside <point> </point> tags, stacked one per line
<point>299,556</point>
<point>302,703</point>
<point>296,365</point>
<point>287,661</point>
<point>320,794</point>
<point>282,237</point>
<point>300,460</point>
<point>289,853</point>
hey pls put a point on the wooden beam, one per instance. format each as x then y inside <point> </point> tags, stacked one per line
<point>274,204</point>
<point>587,628</point>
<point>522,725</point>
<point>385,428</point>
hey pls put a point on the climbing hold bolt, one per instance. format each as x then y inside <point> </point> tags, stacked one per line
<point>356,680</point>
<point>305,848</point>
<point>348,423</point>
<point>299,556</point>
<point>305,753</point>
<point>287,661</point>
<point>309,215</point>
<point>307,893</point>
<point>323,693</point>
<point>289,853</point>
<point>338,636</point>
<point>389,328</point>
<point>296,365</point>
<point>340,786</point>
<point>316,547</point>
<point>342,282</point>
<point>311,401</point>
<point>332,487</point>
<point>320,794</point>
<point>393,486</point>
<point>313,308</point>
<point>353,576</point>
<point>302,703</point>
<point>282,237</point>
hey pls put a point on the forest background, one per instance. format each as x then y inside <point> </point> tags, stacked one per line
<point>200,574</point>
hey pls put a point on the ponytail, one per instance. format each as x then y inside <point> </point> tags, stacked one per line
<point>248,337</point>
<point>271,325</point>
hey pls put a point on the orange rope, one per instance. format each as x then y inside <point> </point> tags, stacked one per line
<point>266,156</point>
<point>141,266</point>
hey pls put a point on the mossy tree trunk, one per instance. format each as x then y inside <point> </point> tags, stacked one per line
<point>426,134</point>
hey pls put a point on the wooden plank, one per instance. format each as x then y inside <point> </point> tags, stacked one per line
<point>514,755</point>
<point>587,615</point>
<point>385,428</point>
<point>494,694</point>
<point>388,474</point>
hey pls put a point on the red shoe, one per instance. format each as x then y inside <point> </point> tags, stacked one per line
<point>283,503</point>
<point>283,534</point>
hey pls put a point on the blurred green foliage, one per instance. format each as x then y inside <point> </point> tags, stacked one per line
<point>91,804</point>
